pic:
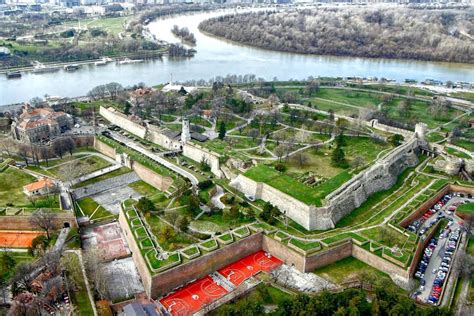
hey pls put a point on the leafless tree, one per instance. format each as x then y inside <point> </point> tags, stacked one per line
<point>96,272</point>
<point>172,217</point>
<point>280,151</point>
<point>45,220</point>
<point>301,159</point>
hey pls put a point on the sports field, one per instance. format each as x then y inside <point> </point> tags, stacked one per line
<point>194,296</point>
<point>17,239</point>
<point>241,270</point>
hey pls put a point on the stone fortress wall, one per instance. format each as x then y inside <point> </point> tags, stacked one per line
<point>198,153</point>
<point>380,176</point>
<point>155,135</point>
<point>123,121</point>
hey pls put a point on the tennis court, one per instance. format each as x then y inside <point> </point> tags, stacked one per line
<point>17,239</point>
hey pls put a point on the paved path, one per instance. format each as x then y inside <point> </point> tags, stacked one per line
<point>216,198</point>
<point>94,174</point>
<point>155,157</point>
<point>104,185</point>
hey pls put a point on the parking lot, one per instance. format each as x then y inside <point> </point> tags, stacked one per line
<point>433,269</point>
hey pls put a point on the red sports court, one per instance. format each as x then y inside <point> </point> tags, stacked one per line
<point>193,297</point>
<point>239,271</point>
<point>197,294</point>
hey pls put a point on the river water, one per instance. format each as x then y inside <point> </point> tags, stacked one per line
<point>216,57</point>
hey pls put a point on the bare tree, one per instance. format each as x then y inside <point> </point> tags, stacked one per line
<point>45,220</point>
<point>280,151</point>
<point>172,217</point>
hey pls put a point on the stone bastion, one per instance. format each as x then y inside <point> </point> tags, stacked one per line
<point>380,176</point>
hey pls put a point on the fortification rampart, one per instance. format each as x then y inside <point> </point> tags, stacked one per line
<point>23,222</point>
<point>381,176</point>
<point>198,154</point>
<point>123,121</point>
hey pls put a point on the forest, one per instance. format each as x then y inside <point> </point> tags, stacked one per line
<point>360,32</point>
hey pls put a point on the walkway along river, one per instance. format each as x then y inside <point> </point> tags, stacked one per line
<point>216,57</point>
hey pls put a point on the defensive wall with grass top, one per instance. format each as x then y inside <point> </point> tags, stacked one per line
<point>350,195</point>
<point>155,135</point>
<point>154,179</point>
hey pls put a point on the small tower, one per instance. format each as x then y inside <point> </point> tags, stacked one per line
<point>420,130</point>
<point>185,132</point>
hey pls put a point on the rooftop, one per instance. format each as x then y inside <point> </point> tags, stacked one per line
<point>40,184</point>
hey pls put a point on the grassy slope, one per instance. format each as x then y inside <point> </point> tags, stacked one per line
<point>11,187</point>
<point>346,269</point>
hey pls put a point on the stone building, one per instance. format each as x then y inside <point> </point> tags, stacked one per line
<point>40,124</point>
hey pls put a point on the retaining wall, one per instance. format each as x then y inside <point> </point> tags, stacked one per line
<point>123,121</point>
<point>202,266</point>
<point>394,271</point>
<point>23,222</point>
<point>137,257</point>
<point>154,179</point>
<point>104,148</point>
<point>424,207</point>
<point>284,253</point>
<point>198,154</point>
<point>329,256</point>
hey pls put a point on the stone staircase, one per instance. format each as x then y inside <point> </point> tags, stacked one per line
<point>219,279</point>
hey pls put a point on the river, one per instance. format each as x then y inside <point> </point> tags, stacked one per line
<point>216,57</point>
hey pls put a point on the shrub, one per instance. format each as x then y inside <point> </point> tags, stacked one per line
<point>204,184</point>
<point>146,205</point>
<point>280,167</point>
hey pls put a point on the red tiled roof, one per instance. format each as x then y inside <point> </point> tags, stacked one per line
<point>41,183</point>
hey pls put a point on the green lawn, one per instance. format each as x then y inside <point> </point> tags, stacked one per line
<point>466,144</point>
<point>112,25</point>
<point>467,209</point>
<point>148,191</point>
<point>346,269</point>
<point>11,187</point>
<point>294,188</point>
<point>385,235</point>
<point>457,153</point>
<point>305,245</point>
<point>19,257</point>
<point>156,264</point>
<point>177,241</point>
<point>78,167</point>
<point>92,209</point>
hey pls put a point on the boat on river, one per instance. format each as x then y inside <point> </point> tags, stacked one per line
<point>104,61</point>
<point>39,68</point>
<point>72,67</point>
<point>13,75</point>
<point>126,61</point>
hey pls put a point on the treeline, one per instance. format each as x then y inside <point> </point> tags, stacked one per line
<point>113,46</point>
<point>362,32</point>
<point>348,302</point>
<point>183,34</point>
<point>178,50</point>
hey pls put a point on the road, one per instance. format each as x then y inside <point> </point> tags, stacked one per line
<point>155,157</point>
